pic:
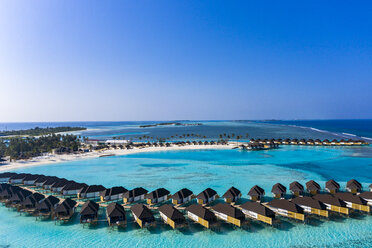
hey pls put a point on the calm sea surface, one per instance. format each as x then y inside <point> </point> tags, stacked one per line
<point>196,170</point>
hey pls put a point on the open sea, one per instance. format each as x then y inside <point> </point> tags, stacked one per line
<point>197,170</point>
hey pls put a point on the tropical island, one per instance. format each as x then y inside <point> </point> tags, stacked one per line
<point>38,131</point>
<point>170,124</point>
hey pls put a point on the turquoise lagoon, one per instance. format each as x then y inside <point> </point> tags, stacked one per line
<point>196,170</point>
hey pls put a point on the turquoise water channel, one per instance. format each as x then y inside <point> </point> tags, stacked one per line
<point>197,170</point>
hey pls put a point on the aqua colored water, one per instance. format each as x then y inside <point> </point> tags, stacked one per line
<point>197,170</point>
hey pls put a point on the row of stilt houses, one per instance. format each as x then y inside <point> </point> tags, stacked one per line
<point>58,198</point>
<point>310,142</point>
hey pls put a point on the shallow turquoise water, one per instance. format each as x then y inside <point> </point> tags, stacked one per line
<point>197,170</point>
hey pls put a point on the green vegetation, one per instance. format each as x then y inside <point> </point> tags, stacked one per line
<point>38,131</point>
<point>24,148</point>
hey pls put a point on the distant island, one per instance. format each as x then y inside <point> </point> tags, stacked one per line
<point>170,124</point>
<point>38,131</point>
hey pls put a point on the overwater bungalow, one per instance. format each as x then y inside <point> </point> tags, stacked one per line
<point>113,194</point>
<point>294,142</point>
<point>57,186</point>
<point>302,142</point>
<point>89,213</point>
<point>29,204</point>
<point>134,195</point>
<point>201,215</point>
<point>367,196</point>
<point>287,209</point>
<point>92,191</point>
<point>310,142</point>
<point>370,187</point>
<point>65,209</point>
<point>257,211</point>
<point>18,197</point>
<point>142,215</point>
<point>311,205</point>
<point>18,178</point>
<point>157,196</point>
<point>8,192</point>
<point>172,216</point>
<point>5,177</point>
<point>326,142</point>
<point>332,186</point>
<point>228,213</point>
<point>353,186</point>
<point>256,193</point>
<point>318,142</point>
<point>279,190</point>
<point>207,196</point>
<point>182,196</point>
<point>286,142</point>
<point>41,180</point>
<point>46,206</point>
<point>4,186</point>
<point>333,203</point>
<point>232,195</point>
<point>49,182</point>
<point>354,201</point>
<point>312,187</point>
<point>73,188</point>
<point>296,188</point>
<point>335,142</point>
<point>31,179</point>
<point>115,214</point>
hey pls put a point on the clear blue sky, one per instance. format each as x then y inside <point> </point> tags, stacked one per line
<point>161,60</point>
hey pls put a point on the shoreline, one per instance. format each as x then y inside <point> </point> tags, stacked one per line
<point>54,158</point>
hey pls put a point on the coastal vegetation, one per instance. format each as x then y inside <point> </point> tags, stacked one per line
<point>38,131</point>
<point>28,147</point>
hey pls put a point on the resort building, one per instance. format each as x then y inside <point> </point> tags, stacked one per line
<point>256,193</point>
<point>115,214</point>
<point>201,215</point>
<point>65,209</point>
<point>57,186</point>
<point>157,196</point>
<point>143,215</point>
<point>116,142</point>
<point>310,142</point>
<point>353,201</point>
<point>296,188</point>
<point>287,209</point>
<point>5,177</point>
<point>312,187</point>
<point>228,213</point>
<point>172,216</point>
<point>18,197</point>
<point>207,196</point>
<point>257,211</point>
<point>367,196</point>
<point>89,212</point>
<point>73,188</point>
<point>31,179</point>
<point>232,195</point>
<point>332,186</point>
<point>41,180</point>
<point>278,190</point>
<point>311,205</point>
<point>49,182</point>
<point>182,196</point>
<point>45,207</point>
<point>333,203</point>
<point>353,186</point>
<point>30,202</point>
<point>134,195</point>
<point>8,192</point>
<point>113,194</point>
<point>18,178</point>
<point>92,191</point>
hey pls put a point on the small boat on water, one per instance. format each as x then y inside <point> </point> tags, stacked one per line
<point>142,215</point>
<point>115,214</point>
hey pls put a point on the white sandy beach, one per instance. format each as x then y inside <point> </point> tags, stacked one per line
<point>54,158</point>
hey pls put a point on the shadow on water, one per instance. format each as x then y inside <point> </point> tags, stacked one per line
<point>286,225</point>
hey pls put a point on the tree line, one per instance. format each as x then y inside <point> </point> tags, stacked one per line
<point>28,147</point>
<point>38,131</point>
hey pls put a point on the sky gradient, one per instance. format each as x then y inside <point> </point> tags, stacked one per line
<point>77,60</point>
